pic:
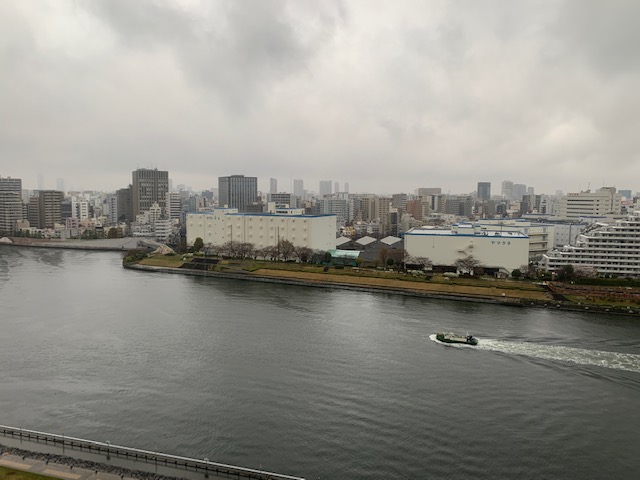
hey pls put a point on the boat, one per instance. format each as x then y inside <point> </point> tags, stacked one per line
<point>453,338</point>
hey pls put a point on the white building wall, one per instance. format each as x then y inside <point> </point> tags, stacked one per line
<point>508,250</point>
<point>221,226</point>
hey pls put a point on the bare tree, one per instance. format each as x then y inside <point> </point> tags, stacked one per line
<point>467,264</point>
<point>397,256</point>
<point>303,253</point>
<point>383,256</point>
<point>285,249</point>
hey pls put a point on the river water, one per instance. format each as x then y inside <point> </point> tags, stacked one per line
<point>328,384</point>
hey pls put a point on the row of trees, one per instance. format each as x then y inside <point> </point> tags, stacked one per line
<point>284,250</point>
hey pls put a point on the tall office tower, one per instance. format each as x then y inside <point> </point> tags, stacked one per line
<point>484,191</point>
<point>298,187</point>
<point>273,185</point>
<point>399,201</point>
<point>325,188</point>
<point>507,189</point>
<point>49,206</point>
<point>346,187</point>
<point>530,191</point>
<point>336,187</point>
<point>125,208</point>
<point>60,184</point>
<point>10,204</point>
<point>149,186</point>
<point>40,181</point>
<point>238,191</point>
<point>519,191</point>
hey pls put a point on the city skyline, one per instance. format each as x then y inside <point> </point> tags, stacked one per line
<point>390,99</point>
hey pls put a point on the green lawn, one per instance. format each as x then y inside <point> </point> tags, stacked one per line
<point>11,474</point>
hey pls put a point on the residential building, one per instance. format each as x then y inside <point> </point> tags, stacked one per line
<point>237,191</point>
<point>220,226</point>
<point>49,206</point>
<point>11,206</point>
<point>608,249</point>
<point>173,205</point>
<point>493,249</point>
<point>148,186</point>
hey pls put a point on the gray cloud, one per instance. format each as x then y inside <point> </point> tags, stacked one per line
<point>388,97</point>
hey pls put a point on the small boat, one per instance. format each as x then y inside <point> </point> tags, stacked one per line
<point>453,338</point>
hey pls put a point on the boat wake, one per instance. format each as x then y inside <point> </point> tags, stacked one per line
<point>618,361</point>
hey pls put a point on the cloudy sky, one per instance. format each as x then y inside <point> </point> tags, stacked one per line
<point>387,95</point>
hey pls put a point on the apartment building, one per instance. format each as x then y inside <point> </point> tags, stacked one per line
<point>609,249</point>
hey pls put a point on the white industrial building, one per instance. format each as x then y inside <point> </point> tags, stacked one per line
<point>541,235</point>
<point>612,249</point>
<point>223,225</point>
<point>506,249</point>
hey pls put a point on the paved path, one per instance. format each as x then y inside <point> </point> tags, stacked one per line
<point>49,469</point>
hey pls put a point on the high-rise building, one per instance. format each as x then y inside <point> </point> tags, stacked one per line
<point>40,181</point>
<point>148,186</point>
<point>174,205</point>
<point>8,184</point>
<point>60,184</point>
<point>10,203</point>
<point>346,187</point>
<point>273,185</point>
<point>484,191</point>
<point>518,191</point>
<point>336,187</point>
<point>298,188</point>
<point>125,208</point>
<point>49,206</point>
<point>507,189</point>
<point>325,188</point>
<point>238,191</point>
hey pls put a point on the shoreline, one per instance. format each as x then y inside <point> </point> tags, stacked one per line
<point>406,291</point>
<point>124,244</point>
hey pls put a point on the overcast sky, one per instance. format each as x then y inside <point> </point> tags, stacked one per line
<point>387,95</point>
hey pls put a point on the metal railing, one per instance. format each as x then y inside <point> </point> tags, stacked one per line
<point>205,466</point>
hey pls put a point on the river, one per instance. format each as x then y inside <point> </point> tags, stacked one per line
<point>319,383</point>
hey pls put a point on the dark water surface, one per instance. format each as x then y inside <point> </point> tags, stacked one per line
<point>313,382</point>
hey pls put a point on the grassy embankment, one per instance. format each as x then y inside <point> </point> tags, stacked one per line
<point>11,474</point>
<point>482,288</point>
<point>617,297</point>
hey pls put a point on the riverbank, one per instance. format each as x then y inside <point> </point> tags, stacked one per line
<point>103,244</point>
<point>506,293</point>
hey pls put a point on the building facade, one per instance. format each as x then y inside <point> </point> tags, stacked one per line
<point>237,191</point>
<point>608,249</point>
<point>484,191</point>
<point>148,186</point>
<point>602,202</point>
<point>491,247</point>
<point>220,226</point>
